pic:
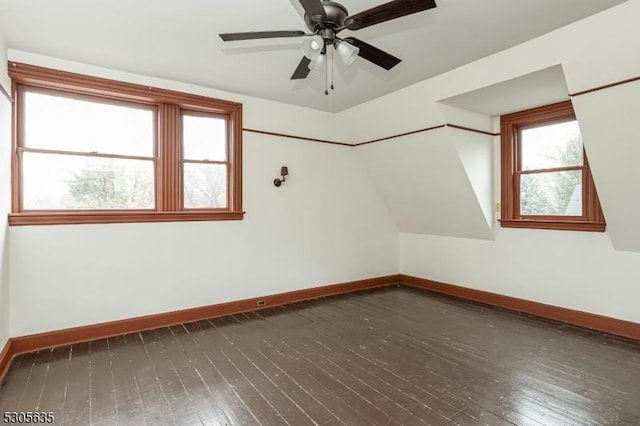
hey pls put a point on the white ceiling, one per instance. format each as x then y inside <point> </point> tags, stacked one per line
<point>177,39</point>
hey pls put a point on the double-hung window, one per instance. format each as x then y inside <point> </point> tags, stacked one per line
<point>90,150</point>
<point>82,153</point>
<point>204,160</point>
<point>546,180</point>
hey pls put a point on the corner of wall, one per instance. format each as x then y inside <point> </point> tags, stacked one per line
<point>5,81</point>
<point>5,190</point>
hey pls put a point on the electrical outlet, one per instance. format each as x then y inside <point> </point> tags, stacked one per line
<point>262,302</point>
<point>498,207</point>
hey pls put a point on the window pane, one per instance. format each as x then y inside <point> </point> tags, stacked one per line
<point>74,182</point>
<point>60,123</point>
<point>555,145</point>
<point>205,185</point>
<point>554,193</point>
<point>204,138</point>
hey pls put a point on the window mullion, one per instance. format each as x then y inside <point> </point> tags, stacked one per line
<point>18,141</point>
<point>169,158</point>
<point>515,208</point>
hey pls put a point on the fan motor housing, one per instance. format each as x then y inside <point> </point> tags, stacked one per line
<point>336,14</point>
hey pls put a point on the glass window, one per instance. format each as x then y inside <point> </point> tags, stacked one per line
<point>546,181</point>
<point>90,150</point>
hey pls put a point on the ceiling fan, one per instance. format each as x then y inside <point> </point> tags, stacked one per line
<point>325,19</point>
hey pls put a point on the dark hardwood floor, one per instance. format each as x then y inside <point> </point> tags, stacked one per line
<point>388,356</point>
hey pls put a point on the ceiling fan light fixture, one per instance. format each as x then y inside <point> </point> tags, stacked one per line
<point>312,47</point>
<point>318,64</point>
<point>347,52</point>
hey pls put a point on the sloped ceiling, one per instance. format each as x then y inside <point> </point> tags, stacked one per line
<point>430,178</point>
<point>424,182</point>
<point>441,182</point>
<point>475,152</point>
<point>609,125</point>
<point>543,87</point>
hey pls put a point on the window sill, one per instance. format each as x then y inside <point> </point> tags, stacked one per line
<point>85,217</point>
<point>561,225</point>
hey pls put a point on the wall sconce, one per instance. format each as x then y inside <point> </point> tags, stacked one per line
<point>284,172</point>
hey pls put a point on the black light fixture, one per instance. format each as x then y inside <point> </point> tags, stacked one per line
<point>284,172</point>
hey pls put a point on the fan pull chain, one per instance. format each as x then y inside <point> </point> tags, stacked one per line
<point>332,67</point>
<point>326,74</point>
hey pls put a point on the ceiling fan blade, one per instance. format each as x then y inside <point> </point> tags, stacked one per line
<point>259,34</point>
<point>302,71</point>
<point>373,54</point>
<point>386,12</point>
<point>314,9</point>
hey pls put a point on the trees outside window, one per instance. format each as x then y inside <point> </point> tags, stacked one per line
<point>91,150</point>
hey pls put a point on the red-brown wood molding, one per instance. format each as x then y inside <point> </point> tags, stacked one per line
<point>34,342</point>
<point>68,336</point>
<point>302,138</point>
<point>605,86</point>
<point>569,316</point>
<point>5,359</point>
<point>470,129</point>
<point>412,132</point>
<point>398,135</point>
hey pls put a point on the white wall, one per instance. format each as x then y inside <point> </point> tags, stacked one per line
<point>425,183</point>
<point>577,270</point>
<point>258,113</point>
<point>609,123</point>
<point>5,191</point>
<point>326,224</point>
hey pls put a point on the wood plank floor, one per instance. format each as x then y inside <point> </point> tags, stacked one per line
<point>387,356</point>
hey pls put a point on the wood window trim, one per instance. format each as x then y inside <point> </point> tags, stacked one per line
<point>226,162</point>
<point>167,151</point>
<point>592,218</point>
